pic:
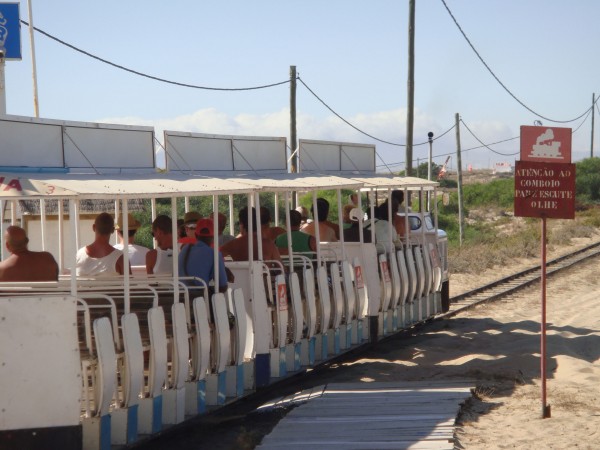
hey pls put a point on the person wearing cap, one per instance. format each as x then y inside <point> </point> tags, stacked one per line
<point>159,261</point>
<point>197,260</point>
<point>301,242</point>
<point>352,234</point>
<point>190,219</point>
<point>137,253</point>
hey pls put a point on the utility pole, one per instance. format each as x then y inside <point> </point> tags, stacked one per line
<point>459,170</point>
<point>36,103</point>
<point>295,163</point>
<point>410,116</point>
<point>293,131</point>
<point>592,143</point>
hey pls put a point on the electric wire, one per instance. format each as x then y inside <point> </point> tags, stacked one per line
<point>441,155</point>
<point>177,83</point>
<point>145,75</point>
<point>485,145</point>
<point>500,82</point>
<point>583,121</point>
<point>358,129</point>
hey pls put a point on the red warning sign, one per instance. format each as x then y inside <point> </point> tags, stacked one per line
<point>546,144</point>
<point>544,190</point>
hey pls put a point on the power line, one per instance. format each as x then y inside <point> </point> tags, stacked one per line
<point>162,80</point>
<point>485,145</point>
<point>358,129</point>
<point>441,155</point>
<point>500,82</point>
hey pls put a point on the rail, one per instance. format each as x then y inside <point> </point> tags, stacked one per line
<point>517,281</point>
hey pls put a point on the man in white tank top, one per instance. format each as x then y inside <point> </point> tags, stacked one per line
<point>160,260</point>
<point>100,258</point>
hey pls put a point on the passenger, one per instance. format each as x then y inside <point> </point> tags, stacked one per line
<point>221,224</point>
<point>160,260</point>
<point>180,229</point>
<point>237,249</point>
<point>265,225</point>
<point>23,264</point>
<point>382,229</point>
<point>399,221</point>
<point>100,258</point>
<point>304,214</point>
<point>197,260</point>
<point>190,219</point>
<point>346,215</point>
<point>327,230</point>
<point>398,195</point>
<point>353,200</point>
<point>301,242</point>
<point>352,234</point>
<point>137,253</point>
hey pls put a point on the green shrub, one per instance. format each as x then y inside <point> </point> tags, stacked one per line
<point>587,184</point>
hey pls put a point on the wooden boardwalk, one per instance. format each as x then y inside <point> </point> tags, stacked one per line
<point>403,415</point>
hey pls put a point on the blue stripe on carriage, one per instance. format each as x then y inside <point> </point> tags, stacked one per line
<point>263,369</point>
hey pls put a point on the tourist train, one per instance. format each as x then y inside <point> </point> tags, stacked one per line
<point>89,363</point>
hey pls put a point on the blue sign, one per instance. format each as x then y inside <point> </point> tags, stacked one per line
<point>10,30</point>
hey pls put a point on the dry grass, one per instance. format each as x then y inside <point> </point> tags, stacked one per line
<point>515,238</point>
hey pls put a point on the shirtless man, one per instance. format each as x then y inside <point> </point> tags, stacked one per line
<point>238,248</point>
<point>100,258</point>
<point>23,264</point>
<point>265,225</point>
<point>328,231</point>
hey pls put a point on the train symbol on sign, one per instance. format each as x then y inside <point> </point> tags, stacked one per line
<point>546,147</point>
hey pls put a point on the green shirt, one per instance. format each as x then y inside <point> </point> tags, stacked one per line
<point>300,241</point>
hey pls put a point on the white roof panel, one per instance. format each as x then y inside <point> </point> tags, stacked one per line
<point>292,182</point>
<point>119,186</point>
<point>383,182</point>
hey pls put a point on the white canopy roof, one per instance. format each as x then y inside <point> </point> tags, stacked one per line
<point>35,186</point>
<point>19,186</point>
<point>299,182</point>
<point>394,182</point>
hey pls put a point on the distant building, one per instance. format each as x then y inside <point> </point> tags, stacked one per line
<point>503,167</point>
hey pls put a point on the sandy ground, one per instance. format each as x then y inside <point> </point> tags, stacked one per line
<point>496,346</point>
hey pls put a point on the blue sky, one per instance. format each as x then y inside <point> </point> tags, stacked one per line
<point>353,54</point>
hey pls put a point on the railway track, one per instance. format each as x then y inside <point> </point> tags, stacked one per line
<point>517,281</point>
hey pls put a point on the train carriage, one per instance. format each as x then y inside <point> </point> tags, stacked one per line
<point>90,363</point>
